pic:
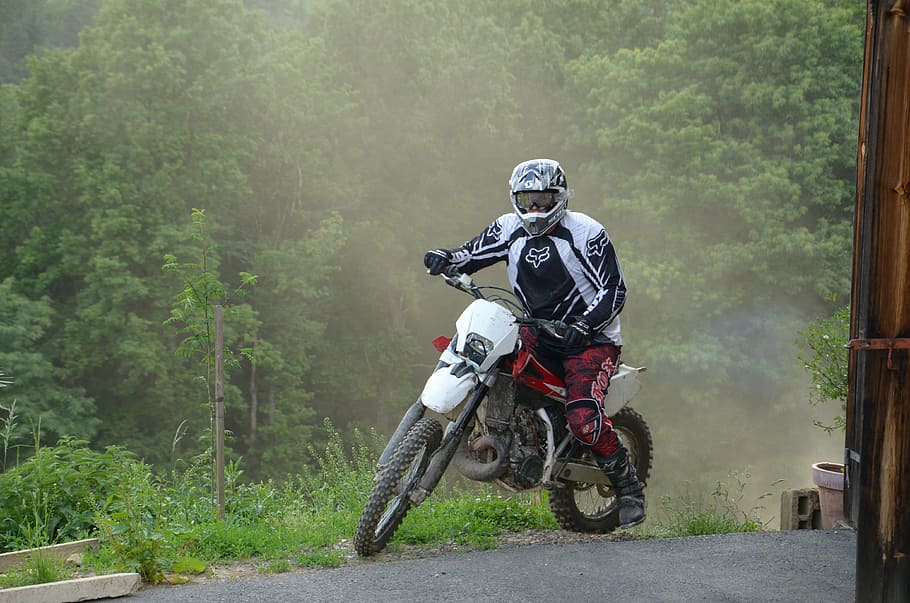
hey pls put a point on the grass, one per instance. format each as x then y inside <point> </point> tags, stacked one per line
<point>689,513</point>
<point>165,528</point>
<point>38,568</point>
<point>472,518</point>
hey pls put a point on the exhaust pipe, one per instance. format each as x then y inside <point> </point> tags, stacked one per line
<point>482,472</point>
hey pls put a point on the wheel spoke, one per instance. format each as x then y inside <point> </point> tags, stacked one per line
<point>402,489</point>
<point>594,503</point>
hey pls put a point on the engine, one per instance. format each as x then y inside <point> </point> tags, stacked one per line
<point>528,450</point>
<point>508,444</point>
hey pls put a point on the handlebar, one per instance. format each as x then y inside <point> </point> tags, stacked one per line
<point>461,281</point>
<point>464,282</point>
<point>554,328</point>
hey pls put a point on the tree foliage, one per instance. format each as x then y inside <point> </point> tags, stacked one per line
<point>28,27</point>
<point>824,356</point>
<point>329,143</point>
<point>52,402</point>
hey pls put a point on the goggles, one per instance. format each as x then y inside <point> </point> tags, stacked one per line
<point>543,200</point>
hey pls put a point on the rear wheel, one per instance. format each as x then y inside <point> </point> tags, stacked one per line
<point>389,503</point>
<point>587,507</point>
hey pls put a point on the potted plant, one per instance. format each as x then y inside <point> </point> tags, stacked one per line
<point>826,340</point>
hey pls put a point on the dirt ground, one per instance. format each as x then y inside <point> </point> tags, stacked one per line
<point>238,570</point>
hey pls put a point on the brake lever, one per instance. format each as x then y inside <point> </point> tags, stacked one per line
<point>459,280</point>
<point>554,328</point>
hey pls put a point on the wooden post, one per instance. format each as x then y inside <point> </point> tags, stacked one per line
<point>219,407</point>
<point>878,417</point>
<point>861,240</point>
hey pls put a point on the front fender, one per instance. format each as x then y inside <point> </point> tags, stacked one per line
<point>448,387</point>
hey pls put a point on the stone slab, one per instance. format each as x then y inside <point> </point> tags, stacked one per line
<point>70,591</point>
<point>8,560</point>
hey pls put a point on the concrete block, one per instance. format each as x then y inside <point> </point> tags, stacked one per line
<point>8,560</point>
<point>69,591</point>
<point>799,510</point>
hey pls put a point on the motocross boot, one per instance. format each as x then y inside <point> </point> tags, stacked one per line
<point>629,489</point>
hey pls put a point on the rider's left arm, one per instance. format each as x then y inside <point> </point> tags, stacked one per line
<point>606,273</point>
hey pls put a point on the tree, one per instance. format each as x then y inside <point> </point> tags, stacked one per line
<point>26,27</point>
<point>117,140</point>
<point>825,339</point>
<point>724,156</point>
<point>43,396</point>
<point>734,138</point>
<point>332,142</point>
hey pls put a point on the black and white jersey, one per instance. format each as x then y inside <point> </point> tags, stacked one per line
<point>571,271</point>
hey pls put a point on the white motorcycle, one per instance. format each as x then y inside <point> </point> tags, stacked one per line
<point>506,425</point>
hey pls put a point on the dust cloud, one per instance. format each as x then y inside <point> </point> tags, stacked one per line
<point>434,167</point>
<point>731,434</point>
<point>740,418</point>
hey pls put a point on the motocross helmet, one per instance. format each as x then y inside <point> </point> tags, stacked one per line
<point>539,194</point>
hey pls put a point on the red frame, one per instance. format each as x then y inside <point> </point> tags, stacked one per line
<point>526,370</point>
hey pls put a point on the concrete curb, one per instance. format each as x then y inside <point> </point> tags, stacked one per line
<point>70,591</point>
<point>8,560</point>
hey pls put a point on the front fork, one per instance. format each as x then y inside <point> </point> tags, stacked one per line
<point>443,455</point>
<point>414,414</point>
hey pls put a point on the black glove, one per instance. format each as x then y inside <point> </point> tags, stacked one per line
<point>577,334</point>
<point>437,260</point>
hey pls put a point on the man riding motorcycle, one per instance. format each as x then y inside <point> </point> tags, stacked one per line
<point>562,266</point>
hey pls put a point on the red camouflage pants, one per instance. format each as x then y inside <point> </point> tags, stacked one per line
<point>587,375</point>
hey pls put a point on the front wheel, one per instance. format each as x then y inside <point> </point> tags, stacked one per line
<point>594,508</point>
<point>389,503</point>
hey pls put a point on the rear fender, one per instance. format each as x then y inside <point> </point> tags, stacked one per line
<point>623,386</point>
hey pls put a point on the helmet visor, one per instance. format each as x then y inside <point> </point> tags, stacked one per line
<point>542,200</point>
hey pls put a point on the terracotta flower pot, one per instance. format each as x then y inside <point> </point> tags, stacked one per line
<point>829,477</point>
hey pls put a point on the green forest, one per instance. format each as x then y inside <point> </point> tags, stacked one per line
<point>292,160</point>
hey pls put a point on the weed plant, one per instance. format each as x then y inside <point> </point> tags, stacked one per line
<point>7,428</point>
<point>53,495</point>
<point>693,514</point>
<point>38,568</point>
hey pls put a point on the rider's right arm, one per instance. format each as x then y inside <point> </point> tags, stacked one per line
<point>487,248</point>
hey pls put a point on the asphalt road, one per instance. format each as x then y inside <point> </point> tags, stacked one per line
<point>802,566</point>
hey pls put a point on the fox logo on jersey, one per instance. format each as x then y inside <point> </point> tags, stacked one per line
<point>597,245</point>
<point>537,256</point>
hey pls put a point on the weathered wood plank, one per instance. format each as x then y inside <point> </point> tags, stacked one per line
<point>878,428</point>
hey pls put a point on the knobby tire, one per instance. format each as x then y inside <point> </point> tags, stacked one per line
<point>389,502</point>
